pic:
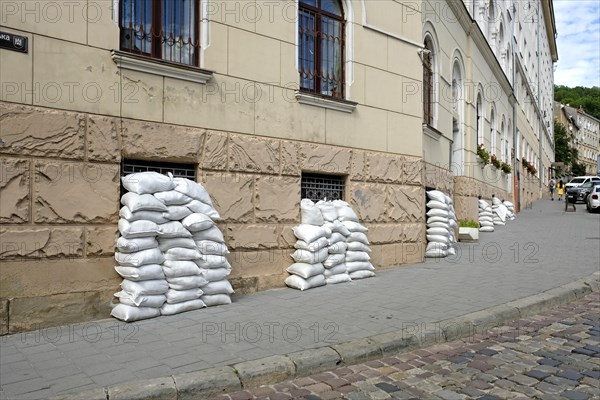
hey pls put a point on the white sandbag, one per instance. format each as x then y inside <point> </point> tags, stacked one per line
<point>509,204</point>
<point>317,245</point>
<point>336,270</point>
<point>451,215</point>
<point>436,195</point>
<point>436,212</point>
<point>297,282</point>
<point>357,256</point>
<point>129,314</point>
<point>310,233</point>
<point>436,253</point>
<point>147,182</point>
<point>346,214</point>
<point>216,299</point>
<point>453,224</point>
<point>214,274</point>
<point>306,270</point>
<point>499,223</point>
<point>186,282</point>
<point>486,218</point>
<point>142,202</point>
<point>451,251</point>
<point>182,254</point>
<point>210,247</point>
<point>437,238</point>
<point>486,229</point>
<point>177,296</point>
<point>310,214</point>
<point>152,300</point>
<point>213,234</point>
<point>125,245</point>
<point>448,200</point>
<point>362,274</point>
<point>143,273</point>
<point>445,225</point>
<point>218,287</point>
<point>438,231</point>
<point>176,213</point>
<point>307,256</point>
<point>339,278</point>
<point>328,210</point>
<point>486,223</point>
<point>337,226</point>
<point>357,237</point>
<point>154,216</point>
<point>436,245</point>
<point>165,244</point>
<point>337,237</point>
<point>174,269</point>
<point>142,288</point>
<point>437,219</point>
<point>352,266</point>
<point>192,189</point>
<point>437,204</point>
<point>339,248</point>
<point>203,208</point>
<point>334,259</point>
<point>486,214</point>
<point>354,226</point>
<point>502,211</point>
<point>173,229</point>
<point>172,309</point>
<point>172,198</point>
<point>197,222</point>
<point>138,229</point>
<point>496,201</point>
<point>358,246</point>
<point>139,258</point>
<point>213,261</point>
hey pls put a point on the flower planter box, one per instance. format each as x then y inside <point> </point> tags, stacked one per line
<point>468,234</point>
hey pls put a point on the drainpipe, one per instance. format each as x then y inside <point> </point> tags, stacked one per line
<point>540,121</point>
<point>516,187</point>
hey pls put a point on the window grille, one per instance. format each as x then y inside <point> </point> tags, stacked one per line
<point>320,187</point>
<point>178,170</point>
<point>164,29</point>
<point>321,47</point>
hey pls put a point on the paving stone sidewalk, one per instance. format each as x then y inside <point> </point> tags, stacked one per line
<point>543,249</point>
<point>554,355</point>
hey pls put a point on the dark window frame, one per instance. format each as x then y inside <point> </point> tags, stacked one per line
<point>317,57</point>
<point>315,186</point>
<point>158,36</point>
<point>428,83</point>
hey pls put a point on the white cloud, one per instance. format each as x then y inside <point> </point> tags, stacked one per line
<point>578,41</point>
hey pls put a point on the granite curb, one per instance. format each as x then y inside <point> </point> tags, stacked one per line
<point>274,369</point>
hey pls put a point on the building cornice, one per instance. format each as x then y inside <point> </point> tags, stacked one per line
<point>324,102</point>
<point>549,22</point>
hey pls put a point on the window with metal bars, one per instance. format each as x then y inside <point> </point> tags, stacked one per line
<point>428,83</point>
<point>321,47</point>
<point>178,170</point>
<point>163,29</point>
<point>322,187</point>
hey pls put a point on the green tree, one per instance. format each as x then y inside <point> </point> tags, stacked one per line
<point>563,152</point>
<point>588,98</point>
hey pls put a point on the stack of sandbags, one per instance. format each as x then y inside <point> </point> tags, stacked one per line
<point>486,220</point>
<point>311,250</point>
<point>336,270</point>
<point>188,247</point>
<point>510,214</point>
<point>358,260</point>
<point>440,232</point>
<point>499,211</point>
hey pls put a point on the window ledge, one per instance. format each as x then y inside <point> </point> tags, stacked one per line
<point>331,104</point>
<point>432,132</point>
<point>134,62</point>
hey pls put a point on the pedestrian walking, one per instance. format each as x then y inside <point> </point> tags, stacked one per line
<point>551,186</point>
<point>561,189</point>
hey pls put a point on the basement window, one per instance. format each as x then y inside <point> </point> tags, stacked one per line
<point>178,170</point>
<point>320,187</point>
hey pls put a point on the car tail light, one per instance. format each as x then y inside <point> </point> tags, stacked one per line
<point>594,197</point>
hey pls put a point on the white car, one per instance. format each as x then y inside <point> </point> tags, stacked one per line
<point>592,202</point>
<point>578,181</point>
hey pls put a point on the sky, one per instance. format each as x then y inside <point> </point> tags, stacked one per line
<point>578,42</point>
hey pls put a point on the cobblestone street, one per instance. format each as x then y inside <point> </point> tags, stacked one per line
<point>554,355</point>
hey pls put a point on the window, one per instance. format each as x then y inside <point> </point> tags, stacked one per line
<point>321,47</point>
<point>161,29</point>
<point>428,82</point>
<point>178,170</point>
<point>320,187</point>
<point>479,122</point>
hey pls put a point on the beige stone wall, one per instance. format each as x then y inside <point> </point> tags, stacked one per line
<point>60,202</point>
<point>467,192</point>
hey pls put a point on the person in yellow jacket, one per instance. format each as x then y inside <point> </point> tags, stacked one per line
<point>561,189</point>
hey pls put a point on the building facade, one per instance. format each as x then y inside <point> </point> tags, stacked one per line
<point>262,102</point>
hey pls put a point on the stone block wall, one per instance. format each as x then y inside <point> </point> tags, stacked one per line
<point>466,194</point>
<point>59,186</point>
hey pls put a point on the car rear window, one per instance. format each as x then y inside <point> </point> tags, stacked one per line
<point>577,180</point>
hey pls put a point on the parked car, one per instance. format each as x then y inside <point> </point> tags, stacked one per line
<point>581,192</point>
<point>579,180</point>
<point>593,200</point>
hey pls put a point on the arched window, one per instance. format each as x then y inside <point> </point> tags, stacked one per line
<point>428,82</point>
<point>491,22</point>
<point>479,122</point>
<point>321,47</point>
<point>492,132</point>
<point>501,139</point>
